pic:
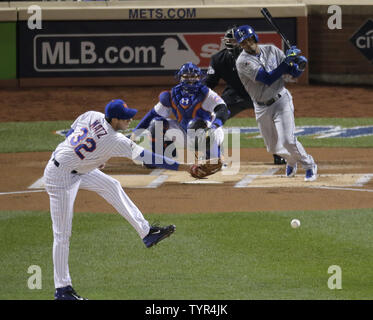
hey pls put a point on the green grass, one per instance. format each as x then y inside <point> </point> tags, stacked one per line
<point>211,256</point>
<point>40,136</point>
<point>30,136</point>
<point>343,122</point>
<point>247,140</point>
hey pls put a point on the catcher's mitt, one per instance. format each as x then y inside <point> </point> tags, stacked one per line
<point>201,171</point>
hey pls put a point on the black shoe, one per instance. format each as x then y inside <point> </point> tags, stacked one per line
<point>157,234</point>
<point>278,160</point>
<point>67,293</point>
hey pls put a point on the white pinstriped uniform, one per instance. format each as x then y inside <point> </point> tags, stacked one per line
<point>92,143</point>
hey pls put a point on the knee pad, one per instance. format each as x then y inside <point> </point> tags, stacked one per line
<point>161,124</point>
<point>197,123</point>
<point>196,134</point>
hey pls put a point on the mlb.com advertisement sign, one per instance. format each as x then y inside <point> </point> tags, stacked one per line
<point>56,52</point>
<point>124,52</point>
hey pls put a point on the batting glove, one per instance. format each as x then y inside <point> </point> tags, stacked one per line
<point>291,55</point>
<point>293,51</point>
<point>301,61</point>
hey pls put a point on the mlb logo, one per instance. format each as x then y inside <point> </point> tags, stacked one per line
<point>363,40</point>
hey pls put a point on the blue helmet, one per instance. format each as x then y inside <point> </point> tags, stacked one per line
<point>245,32</point>
<point>190,77</point>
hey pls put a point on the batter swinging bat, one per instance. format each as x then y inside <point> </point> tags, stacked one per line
<point>267,15</point>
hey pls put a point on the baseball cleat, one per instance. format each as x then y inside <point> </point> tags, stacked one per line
<point>157,234</point>
<point>291,171</point>
<point>311,174</point>
<point>67,293</point>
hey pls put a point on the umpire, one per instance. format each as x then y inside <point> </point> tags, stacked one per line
<point>223,66</point>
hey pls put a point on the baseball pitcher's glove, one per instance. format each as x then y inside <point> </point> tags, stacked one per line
<point>201,171</point>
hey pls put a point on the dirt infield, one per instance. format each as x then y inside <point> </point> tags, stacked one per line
<point>345,174</point>
<point>340,172</point>
<point>43,104</point>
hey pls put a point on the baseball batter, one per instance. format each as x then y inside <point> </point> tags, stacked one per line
<point>260,68</point>
<point>92,140</point>
<point>223,66</point>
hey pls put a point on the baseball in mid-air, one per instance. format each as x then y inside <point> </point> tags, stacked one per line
<point>295,223</point>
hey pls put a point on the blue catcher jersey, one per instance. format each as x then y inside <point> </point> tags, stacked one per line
<point>187,107</point>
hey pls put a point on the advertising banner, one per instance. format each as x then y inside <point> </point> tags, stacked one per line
<point>124,48</point>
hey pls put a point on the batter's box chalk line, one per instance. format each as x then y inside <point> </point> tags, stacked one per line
<point>266,179</point>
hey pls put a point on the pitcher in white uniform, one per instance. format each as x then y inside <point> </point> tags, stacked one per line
<point>75,164</point>
<point>260,68</point>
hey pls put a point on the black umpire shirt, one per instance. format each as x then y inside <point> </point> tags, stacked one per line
<point>223,66</point>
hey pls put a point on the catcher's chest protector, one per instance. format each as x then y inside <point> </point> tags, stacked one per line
<point>185,107</point>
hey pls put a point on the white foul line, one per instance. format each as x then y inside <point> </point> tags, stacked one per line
<point>19,192</point>
<point>156,172</point>
<point>363,180</point>
<point>243,183</point>
<point>343,189</point>
<point>157,182</point>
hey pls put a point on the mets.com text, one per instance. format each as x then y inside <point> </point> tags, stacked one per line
<point>159,13</point>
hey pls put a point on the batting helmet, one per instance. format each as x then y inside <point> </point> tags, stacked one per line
<point>244,32</point>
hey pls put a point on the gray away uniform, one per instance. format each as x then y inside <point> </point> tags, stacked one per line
<point>275,121</point>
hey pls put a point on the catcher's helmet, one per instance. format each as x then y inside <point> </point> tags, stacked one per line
<point>244,32</point>
<point>229,40</point>
<point>190,77</point>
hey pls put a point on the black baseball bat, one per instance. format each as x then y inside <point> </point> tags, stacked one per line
<point>267,15</point>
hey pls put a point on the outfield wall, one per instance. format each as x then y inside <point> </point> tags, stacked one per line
<point>132,43</point>
<point>143,42</point>
<point>342,56</point>
<point>8,46</point>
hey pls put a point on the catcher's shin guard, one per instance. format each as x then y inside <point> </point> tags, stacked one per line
<point>165,149</point>
<point>213,152</point>
<point>161,125</point>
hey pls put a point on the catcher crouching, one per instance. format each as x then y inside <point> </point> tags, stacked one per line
<point>192,113</point>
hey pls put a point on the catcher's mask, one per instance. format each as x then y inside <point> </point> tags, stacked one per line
<point>244,32</point>
<point>229,40</point>
<point>190,77</point>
